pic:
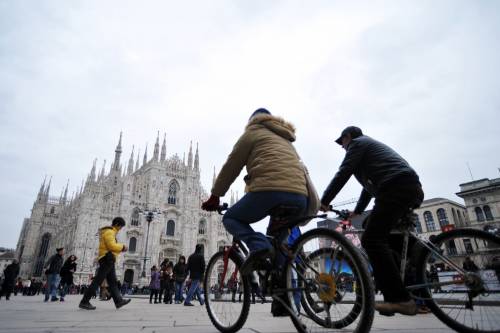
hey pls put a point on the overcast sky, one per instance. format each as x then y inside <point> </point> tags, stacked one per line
<point>421,76</point>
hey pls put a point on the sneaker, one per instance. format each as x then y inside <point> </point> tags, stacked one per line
<point>408,308</point>
<point>61,299</point>
<point>188,304</point>
<point>86,306</point>
<point>123,302</point>
<point>54,299</point>
<point>255,257</point>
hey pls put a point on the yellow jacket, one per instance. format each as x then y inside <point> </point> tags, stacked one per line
<point>108,243</point>
<point>272,164</point>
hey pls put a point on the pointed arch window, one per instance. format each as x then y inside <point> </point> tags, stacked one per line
<point>479,214</point>
<point>132,245</point>
<point>487,213</point>
<point>42,254</point>
<point>202,226</point>
<point>442,217</point>
<point>429,221</point>
<point>170,228</point>
<point>172,193</point>
<point>134,221</point>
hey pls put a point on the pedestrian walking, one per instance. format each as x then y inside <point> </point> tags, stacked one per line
<point>109,249</point>
<point>154,285</point>
<point>180,275</point>
<point>53,269</point>
<point>10,274</point>
<point>196,269</point>
<point>67,271</point>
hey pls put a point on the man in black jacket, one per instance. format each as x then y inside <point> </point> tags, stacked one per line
<point>10,274</point>
<point>196,269</point>
<point>388,178</point>
<point>53,267</point>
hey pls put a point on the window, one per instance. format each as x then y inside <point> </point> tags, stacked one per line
<point>479,214</point>
<point>418,226</point>
<point>135,218</point>
<point>132,245</point>
<point>451,248</point>
<point>442,218</point>
<point>202,226</point>
<point>468,246</point>
<point>52,210</point>
<point>487,213</point>
<point>172,193</point>
<point>170,228</point>
<point>42,254</point>
<point>429,221</point>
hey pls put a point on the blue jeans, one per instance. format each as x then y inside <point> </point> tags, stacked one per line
<point>178,291</point>
<point>194,289</point>
<point>52,285</point>
<point>253,207</point>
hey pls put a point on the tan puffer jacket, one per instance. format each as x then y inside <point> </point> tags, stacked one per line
<point>271,161</point>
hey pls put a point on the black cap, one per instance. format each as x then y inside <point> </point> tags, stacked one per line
<point>59,249</point>
<point>259,111</point>
<point>352,130</point>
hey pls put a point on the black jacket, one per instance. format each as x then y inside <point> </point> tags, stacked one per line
<point>196,266</point>
<point>10,273</point>
<point>180,273</point>
<point>66,274</point>
<point>375,165</point>
<point>54,264</point>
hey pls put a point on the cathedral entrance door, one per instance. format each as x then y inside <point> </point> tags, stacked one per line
<point>129,276</point>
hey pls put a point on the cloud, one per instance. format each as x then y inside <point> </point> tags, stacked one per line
<point>421,77</point>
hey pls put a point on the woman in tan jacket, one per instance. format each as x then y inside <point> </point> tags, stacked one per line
<point>275,176</point>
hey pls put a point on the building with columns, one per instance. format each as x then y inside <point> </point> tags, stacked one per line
<point>168,185</point>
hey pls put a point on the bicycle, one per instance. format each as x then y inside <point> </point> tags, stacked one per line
<point>304,286</point>
<point>472,296</point>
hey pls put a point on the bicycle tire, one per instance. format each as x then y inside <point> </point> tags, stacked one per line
<point>422,276</point>
<point>367,310</point>
<point>214,318</point>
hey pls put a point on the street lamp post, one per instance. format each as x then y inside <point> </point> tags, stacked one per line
<point>149,214</point>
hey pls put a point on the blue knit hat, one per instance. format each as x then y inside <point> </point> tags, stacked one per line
<point>261,110</point>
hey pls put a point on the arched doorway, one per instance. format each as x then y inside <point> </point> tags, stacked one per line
<point>129,276</point>
<point>42,254</point>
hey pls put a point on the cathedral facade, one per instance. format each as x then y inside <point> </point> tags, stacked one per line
<point>170,187</point>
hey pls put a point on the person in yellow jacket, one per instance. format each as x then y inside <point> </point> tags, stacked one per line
<point>109,249</point>
<point>275,176</point>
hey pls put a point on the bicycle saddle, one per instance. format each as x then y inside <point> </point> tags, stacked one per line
<point>281,216</point>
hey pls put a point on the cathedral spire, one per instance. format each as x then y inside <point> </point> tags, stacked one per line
<point>196,159</point>
<point>42,188</point>
<point>47,190</point>
<point>65,196</point>
<point>145,159</point>
<point>103,170</point>
<point>190,156</point>
<point>118,153</point>
<point>164,148</point>
<point>92,171</point>
<point>130,169</point>
<point>156,151</point>
<point>137,161</point>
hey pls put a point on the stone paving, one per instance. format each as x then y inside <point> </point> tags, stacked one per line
<point>24,314</point>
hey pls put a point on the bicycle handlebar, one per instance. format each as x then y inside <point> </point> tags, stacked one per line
<point>222,208</point>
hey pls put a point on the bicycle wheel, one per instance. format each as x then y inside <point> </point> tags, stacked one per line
<point>227,305</point>
<point>466,301</point>
<point>328,284</point>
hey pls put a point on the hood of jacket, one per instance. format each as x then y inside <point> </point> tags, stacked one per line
<point>276,124</point>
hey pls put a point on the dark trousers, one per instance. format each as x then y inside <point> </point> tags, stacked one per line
<point>153,292</point>
<point>391,203</point>
<point>6,290</point>
<point>106,271</point>
<point>169,290</point>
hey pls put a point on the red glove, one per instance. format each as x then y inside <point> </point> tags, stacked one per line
<point>211,204</point>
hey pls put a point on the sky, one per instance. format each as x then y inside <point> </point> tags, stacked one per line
<point>420,76</point>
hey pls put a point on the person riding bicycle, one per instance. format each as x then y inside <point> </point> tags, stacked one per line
<point>275,176</point>
<point>388,178</point>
